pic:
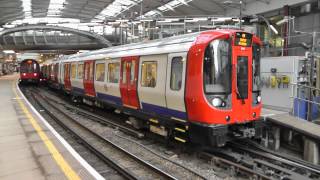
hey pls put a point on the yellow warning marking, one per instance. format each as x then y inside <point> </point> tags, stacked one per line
<point>153,120</point>
<point>63,164</point>
<point>179,129</point>
<point>179,139</point>
<point>177,119</point>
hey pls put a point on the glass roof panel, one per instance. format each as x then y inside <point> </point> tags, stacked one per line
<point>116,8</point>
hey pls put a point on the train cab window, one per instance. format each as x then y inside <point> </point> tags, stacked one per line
<point>176,73</point>
<point>100,72</point>
<point>80,71</point>
<point>256,56</point>
<point>73,71</point>
<point>149,74</point>
<point>113,72</point>
<point>217,68</point>
<point>124,72</point>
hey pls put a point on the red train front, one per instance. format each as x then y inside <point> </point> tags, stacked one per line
<point>222,87</point>
<point>29,71</point>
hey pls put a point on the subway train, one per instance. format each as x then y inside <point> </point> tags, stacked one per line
<point>200,88</point>
<point>29,71</point>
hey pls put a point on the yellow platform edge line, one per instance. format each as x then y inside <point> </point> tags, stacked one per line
<point>62,163</point>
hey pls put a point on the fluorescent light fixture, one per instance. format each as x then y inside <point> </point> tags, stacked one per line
<point>9,51</point>
<point>274,29</point>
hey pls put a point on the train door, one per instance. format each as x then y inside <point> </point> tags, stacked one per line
<point>128,83</point>
<point>242,59</point>
<point>67,82</point>
<point>175,85</point>
<point>112,85</point>
<point>152,84</point>
<point>100,73</point>
<point>88,80</point>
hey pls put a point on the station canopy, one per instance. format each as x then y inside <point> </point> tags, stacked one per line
<point>19,12</point>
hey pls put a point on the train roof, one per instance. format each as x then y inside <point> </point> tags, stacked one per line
<point>180,43</point>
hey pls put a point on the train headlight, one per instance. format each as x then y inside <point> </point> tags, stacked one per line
<point>24,74</point>
<point>217,102</point>
<point>258,99</point>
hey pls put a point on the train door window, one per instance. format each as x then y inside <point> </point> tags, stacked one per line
<point>113,72</point>
<point>149,74</point>
<point>176,73</point>
<point>80,71</point>
<point>132,70</point>
<point>91,72</point>
<point>86,71</point>
<point>100,72</point>
<point>124,72</point>
<point>242,77</point>
<point>73,71</point>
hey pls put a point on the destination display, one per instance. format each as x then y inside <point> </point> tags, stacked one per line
<point>243,39</point>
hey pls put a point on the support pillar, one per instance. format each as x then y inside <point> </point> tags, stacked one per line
<point>311,151</point>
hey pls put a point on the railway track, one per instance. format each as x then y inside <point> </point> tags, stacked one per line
<point>251,160</point>
<point>244,158</point>
<point>126,163</point>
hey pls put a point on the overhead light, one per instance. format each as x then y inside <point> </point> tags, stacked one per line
<point>122,20</point>
<point>8,51</point>
<point>274,29</point>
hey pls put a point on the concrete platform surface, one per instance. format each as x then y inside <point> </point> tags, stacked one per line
<point>287,120</point>
<point>29,147</point>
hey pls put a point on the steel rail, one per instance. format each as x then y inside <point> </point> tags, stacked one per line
<point>122,170</point>
<point>276,157</point>
<point>98,118</point>
<point>126,130</point>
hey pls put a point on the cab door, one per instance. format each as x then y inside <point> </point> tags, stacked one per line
<point>242,59</point>
<point>88,80</point>
<point>128,82</point>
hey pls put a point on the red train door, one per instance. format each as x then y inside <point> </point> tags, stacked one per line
<point>67,82</point>
<point>242,73</point>
<point>88,80</point>
<point>128,82</point>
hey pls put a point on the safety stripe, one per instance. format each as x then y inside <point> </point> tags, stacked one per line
<point>62,163</point>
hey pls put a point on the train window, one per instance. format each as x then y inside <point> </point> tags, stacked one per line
<point>113,72</point>
<point>149,74</point>
<point>100,72</point>
<point>176,73</point>
<point>217,68</point>
<point>80,71</point>
<point>256,56</point>
<point>132,70</point>
<point>73,71</point>
<point>124,72</point>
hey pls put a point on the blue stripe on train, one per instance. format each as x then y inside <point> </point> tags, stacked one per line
<point>163,111</point>
<point>110,99</point>
<point>77,91</point>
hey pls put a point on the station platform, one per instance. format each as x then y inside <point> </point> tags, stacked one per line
<point>286,120</point>
<point>29,147</point>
